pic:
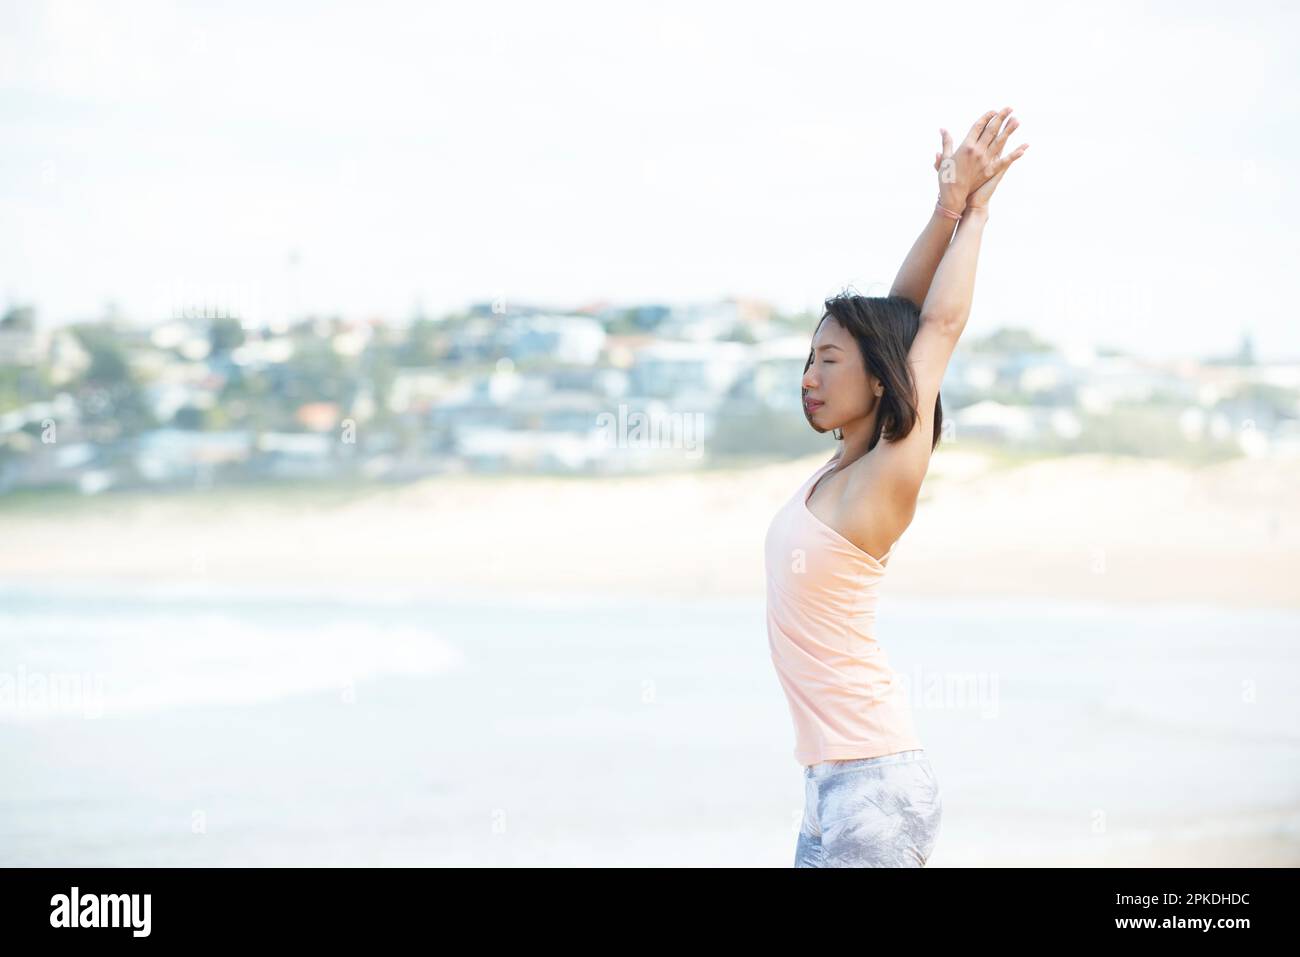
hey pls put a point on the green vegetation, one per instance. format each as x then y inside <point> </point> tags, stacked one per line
<point>226,335</point>
<point>1011,339</point>
<point>1145,432</point>
<point>746,433</point>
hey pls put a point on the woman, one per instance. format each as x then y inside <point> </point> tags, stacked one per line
<point>873,374</point>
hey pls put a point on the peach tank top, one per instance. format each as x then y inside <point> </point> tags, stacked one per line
<point>845,698</point>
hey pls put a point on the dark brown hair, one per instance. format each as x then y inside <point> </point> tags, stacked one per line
<point>884,327</point>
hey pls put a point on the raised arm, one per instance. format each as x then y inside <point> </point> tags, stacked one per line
<point>947,306</point>
<point>957,177</point>
<point>917,272</point>
<point>944,313</point>
<point>948,302</point>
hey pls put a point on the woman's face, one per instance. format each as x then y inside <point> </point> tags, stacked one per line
<point>837,389</point>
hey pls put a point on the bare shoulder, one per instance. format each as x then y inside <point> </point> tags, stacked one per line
<point>873,509</point>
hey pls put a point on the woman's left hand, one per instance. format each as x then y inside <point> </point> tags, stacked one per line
<point>962,171</point>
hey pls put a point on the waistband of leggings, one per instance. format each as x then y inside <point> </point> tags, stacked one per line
<point>836,765</point>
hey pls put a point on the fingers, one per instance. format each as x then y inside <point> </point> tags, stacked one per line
<point>1015,154</point>
<point>982,194</point>
<point>993,125</point>
<point>1001,166</point>
<point>978,127</point>
<point>1001,140</point>
<point>943,154</point>
<point>1004,164</point>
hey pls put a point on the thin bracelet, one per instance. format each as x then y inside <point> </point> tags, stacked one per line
<point>947,212</point>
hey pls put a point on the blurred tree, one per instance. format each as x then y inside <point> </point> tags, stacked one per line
<point>315,373</point>
<point>623,323</point>
<point>741,333</point>
<point>10,388</point>
<point>226,335</point>
<point>249,400</point>
<point>425,343</point>
<point>381,371</point>
<point>19,319</point>
<point>191,418</point>
<point>797,322</point>
<point>110,399</point>
<point>1011,339</point>
<point>747,430</point>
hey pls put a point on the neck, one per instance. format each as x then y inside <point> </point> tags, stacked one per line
<point>857,436</point>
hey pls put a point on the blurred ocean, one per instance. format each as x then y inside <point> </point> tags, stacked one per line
<point>209,725</point>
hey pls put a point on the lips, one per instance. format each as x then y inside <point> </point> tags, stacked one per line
<point>812,405</point>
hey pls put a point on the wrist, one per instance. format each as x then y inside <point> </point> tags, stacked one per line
<point>950,199</point>
<point>945,212</point>
<point>953,197</point>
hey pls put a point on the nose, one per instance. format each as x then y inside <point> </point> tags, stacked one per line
<point>809,379</point>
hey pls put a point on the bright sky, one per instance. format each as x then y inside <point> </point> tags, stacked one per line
<point>360,158</point>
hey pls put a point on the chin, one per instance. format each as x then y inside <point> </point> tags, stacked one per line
<point>829,425</point>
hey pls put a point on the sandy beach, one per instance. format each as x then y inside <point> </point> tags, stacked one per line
<point>1084,527</point>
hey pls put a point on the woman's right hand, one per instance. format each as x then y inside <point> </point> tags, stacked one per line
<point>994,170</point>
<point>965,169</point>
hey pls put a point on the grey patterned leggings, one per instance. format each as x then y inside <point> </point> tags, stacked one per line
<point>870,812</point>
